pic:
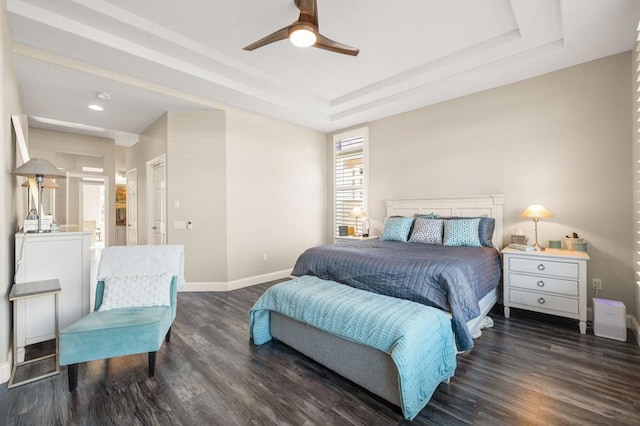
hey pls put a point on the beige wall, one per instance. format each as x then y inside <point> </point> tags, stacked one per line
<point>276,193</point>
<point>251,185</point>
<point>196,173</point>
<point>121,160</point>
<point>63,150</point>
<point>9,204</point>
<point>562,140</point>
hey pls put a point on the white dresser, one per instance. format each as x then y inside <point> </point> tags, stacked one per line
<point>551,281</point>
<point>61,255</point>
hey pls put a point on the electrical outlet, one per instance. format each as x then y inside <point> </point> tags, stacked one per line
<point>265,257</point>
<point>596,283</point>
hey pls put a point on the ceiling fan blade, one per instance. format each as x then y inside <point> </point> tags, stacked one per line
<point>281,34</point>
<point>334,46</point>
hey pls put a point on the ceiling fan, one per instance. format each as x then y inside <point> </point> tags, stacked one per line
<point>304,32</point>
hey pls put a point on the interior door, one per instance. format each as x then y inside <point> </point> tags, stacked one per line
<point>132,207</point>
<point>159,205</point>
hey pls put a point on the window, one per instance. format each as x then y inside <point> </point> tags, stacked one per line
<point>350,177</point>
<point>636,157</point>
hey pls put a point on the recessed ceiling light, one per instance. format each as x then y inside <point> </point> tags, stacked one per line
<point>96,107</point>
<point>104,95</point>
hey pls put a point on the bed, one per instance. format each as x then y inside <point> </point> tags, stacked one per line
<point>352,264</point>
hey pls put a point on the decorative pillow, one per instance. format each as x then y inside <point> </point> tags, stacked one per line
<point>396,228</point>
<point>136,292</point>
<point>428,231</point>
<point>424,216</point>
<point>485,229</point>
<point>462,232</point>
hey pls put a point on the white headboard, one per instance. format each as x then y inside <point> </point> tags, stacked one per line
<point>475,205</point>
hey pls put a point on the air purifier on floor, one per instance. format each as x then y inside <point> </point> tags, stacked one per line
<point>610,319</point>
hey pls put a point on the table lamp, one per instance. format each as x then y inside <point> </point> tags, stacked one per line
<point>358,213</point>
<point>39,169</point>
<point>536,212</point>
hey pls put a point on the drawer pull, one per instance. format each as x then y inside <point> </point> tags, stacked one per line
<point>541,301</point>
<point>541,267</point>
<point>540,283</point>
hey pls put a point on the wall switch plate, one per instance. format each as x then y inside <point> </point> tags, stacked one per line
<point>179,224</point>
<point>176,204</point>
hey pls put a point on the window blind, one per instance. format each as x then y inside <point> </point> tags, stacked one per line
<point>636,165</point>
<point>350,181</point>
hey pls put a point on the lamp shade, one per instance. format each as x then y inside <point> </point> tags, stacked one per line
<point>357,212</point>
<point>39,167</point>
<point>536,211</point>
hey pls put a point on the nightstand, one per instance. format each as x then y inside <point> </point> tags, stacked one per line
<point>551,281</point>
<point>344,239</point>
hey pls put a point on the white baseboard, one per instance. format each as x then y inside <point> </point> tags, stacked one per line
<point>236,284</point>
<point>5,368</point>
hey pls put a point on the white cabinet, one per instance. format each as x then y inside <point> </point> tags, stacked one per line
<point>550,281</point>
<point>61,255</point>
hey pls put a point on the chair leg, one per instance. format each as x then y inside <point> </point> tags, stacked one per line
<point>167,338</point>
<point>72,372</point>
<point>152,364</point>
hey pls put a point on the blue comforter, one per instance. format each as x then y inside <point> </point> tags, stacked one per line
<point>450,278</point>
<point>418,338</point>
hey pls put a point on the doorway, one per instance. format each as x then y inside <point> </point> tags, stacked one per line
<point>92,209</point>
<point>156,201</point>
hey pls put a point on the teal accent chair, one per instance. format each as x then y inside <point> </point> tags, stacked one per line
<point>117,332</point>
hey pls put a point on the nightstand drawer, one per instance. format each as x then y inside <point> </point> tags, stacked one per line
<point>545,267</point>
<point>544,302</point>
<point>549,285</point>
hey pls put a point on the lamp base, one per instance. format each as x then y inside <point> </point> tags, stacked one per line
<point>537,247</point>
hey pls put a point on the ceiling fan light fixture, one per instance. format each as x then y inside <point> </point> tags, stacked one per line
<point>302,35</point>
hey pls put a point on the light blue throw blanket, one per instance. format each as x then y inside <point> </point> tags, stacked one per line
<point>418,338</point>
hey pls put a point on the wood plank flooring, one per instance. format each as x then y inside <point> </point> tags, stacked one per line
<point>529,370</point>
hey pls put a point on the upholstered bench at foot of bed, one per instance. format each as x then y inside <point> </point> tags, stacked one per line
<point>113,333</point>
<point>397,349</point>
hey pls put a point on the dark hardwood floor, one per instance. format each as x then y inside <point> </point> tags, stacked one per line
<point>525,371</point>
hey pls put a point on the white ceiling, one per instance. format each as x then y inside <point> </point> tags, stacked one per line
<point>155,56</point>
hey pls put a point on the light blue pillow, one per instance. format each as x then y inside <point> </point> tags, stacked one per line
<point>396,229</point>
<point>461,232</point>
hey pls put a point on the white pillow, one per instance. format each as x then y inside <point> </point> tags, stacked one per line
<point>136,292</point>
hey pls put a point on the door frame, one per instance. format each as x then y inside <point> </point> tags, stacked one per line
<point>151,165</point>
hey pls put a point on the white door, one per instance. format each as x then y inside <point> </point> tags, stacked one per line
<point>132,207</point>
<point>159,205</point>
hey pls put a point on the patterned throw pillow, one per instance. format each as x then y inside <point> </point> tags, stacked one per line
<point>462,232</point>
<point>136,292</point>
<point>396,228</point>
<point>428,231</point>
